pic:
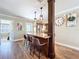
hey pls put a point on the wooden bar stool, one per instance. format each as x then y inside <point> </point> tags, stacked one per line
<point>32,45</point>
<point>25,40</point>
<point>38,46</point>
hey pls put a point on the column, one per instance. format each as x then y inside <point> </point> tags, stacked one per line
<point>51,32</point>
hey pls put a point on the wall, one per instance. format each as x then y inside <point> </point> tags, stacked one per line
<point>16,34</point>
<point>19,34</point>
<point>68,35</point>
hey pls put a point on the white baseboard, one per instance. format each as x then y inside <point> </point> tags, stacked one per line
<point>18,39</point>
<point>69,46</point>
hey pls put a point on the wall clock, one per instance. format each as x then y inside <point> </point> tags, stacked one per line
<point>59,21</point>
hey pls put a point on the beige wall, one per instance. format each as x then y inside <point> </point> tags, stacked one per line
<point>17,34</point>
<point>68,35</point>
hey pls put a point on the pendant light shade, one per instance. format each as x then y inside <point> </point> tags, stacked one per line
<point>35,15</point>
<point>41,15</point>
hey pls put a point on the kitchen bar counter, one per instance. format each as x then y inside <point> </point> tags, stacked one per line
<point>42,39</point>
<point>45,36</point>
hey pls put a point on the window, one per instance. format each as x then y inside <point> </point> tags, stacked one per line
<point>29,28</point>
<point>5,26</point>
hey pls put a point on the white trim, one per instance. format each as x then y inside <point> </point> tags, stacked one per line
<point>18,17</point>
<point>69,46</point>
<point>68,11</point>
<point>17,39</point>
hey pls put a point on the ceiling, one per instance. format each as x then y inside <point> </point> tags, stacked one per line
<point>26,8</point>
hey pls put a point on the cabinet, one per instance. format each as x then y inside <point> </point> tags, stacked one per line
<point>41,28</point>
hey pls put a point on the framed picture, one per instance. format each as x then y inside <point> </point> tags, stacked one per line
<point>19,26</point>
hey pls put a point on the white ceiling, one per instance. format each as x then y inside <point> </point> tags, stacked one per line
<point>26,8</point>
<point>63,5</point>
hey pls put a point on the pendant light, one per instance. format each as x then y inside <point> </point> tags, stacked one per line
<point>41,15</point>
<point>35,15</point>
<point>35,19</point>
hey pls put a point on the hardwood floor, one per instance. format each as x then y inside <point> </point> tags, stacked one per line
<point>17,50</point>
<point>10,50</point>
<point>66,53</point>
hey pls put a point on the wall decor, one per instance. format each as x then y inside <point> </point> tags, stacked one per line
<point>59,21</point>
<point>19,26</point>
<point>71,20</point>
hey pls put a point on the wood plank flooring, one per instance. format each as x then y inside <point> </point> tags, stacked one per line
<point>17,50</point>
<point>9,50</point>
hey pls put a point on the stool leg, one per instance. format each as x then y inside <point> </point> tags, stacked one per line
<point>33,51</point>
<point>30,49</point>
<point>39,53</point>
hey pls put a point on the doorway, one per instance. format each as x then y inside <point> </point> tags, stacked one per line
<point>5,30</point>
